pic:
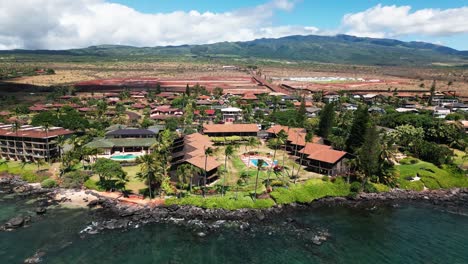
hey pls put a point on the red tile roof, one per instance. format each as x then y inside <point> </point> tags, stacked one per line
<point>207,111</point>
<point>329,156</point>
<point>199,161</point>
<point>33,132</point>
<point>249,96</point>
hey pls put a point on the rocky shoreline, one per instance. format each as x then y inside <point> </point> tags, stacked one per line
<point>124,215</point>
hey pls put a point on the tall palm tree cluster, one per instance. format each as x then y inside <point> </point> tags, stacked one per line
<point>155,166</point>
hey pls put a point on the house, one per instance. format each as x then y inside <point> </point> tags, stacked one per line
<point>410,105</point>
<point>349,107</point>
<point>376,110</point>
<point>231,114</point>
<point>406,110</point>
<point>312,111</point>
<point>226,130</point>
<point>190,149</point>
<point>30,143</point>
<point>330,98</point>
<point>249,96</point>
<point>441,112</point>
<point>125,141</point>
<point>165,111</point>
<point>323,159</point>
<point>457,107</point>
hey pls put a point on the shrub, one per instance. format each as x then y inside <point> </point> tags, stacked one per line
<point>92,185</point>
<point>381,187</point>
<point>325,178</point>
<point>49,183</point>
<point>356,187</point>
<point>74,179</point>
<point>370,188</point>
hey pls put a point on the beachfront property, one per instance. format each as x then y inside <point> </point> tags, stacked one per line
<point>125,143</point>
<point>190,149</point>
<point>29,143</point>
<point>227,130</point>
<point>316,156</point>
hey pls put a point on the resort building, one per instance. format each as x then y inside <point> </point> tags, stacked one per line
<point>227,130</point>
<point>126,143</point>
<point>30,143</point>
<point>190,149</point>
<point>323,159</point>
<point>316,156</point>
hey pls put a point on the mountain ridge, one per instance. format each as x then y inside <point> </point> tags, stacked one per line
<point>344,49</point>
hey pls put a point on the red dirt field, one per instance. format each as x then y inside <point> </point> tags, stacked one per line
<point>233,85</point>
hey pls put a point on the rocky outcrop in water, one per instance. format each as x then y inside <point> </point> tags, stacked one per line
<point>130,215</point>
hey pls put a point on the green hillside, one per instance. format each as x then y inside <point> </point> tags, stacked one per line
<point>341,49</point>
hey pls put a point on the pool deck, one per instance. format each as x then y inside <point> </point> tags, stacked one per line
<point>109,156</point>
<point>245,159</point>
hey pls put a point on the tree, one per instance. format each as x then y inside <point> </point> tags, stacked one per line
<point>251,143</point>
<point>107,171</point>
<point>187,90</point>
<point>432,92</point>
<point>301,113</point>
<point>185,173</point>
<point>260,164</point>
<point>282,137</point>
<point>148,171</point>
<point>358,129</point>
<point>228,153</point>
<point>406,135</point>
<point>15,127</point>
<point>369,154</point>
<point>327,118</point>
<point>39,163</point>
<point>218,92</point>
<point>158,88</point>
<point>273,143</point>
<point>208,152</point>
<point>46,129</point>
<point>60,144</point>
<point>308,138</point>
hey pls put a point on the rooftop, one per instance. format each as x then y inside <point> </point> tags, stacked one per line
<point>33,132</point>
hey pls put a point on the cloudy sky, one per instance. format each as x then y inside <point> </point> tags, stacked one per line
<point>64,24</point>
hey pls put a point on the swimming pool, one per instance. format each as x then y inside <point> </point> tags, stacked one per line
<point>255,162</point>
<point>124,157</point>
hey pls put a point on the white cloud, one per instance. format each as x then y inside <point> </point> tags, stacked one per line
<point>394,21</point>
<point>62,24</point>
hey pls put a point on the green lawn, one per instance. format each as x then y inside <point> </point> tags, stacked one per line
<point>134,184</point>
<point>27,171</point>
<point>228,201</point>
<point>431,176</point>
<point>310,190</point>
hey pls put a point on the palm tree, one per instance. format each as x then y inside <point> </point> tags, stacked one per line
<point>259,166</point>
<point>15,127</point>
<point>208,152</point>
<point>185,173</point>
<point>275,142</point>
<point>61,143</point>
<point>252,142</point>
<point>46,127</point>
<point>148,170</point>
<point>308,138</point>
<point>282,139</point>
<point>228,153</point>
<point>39,163</point>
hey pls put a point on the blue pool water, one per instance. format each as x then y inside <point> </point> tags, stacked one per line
<point>255,162</point>
<point>124,157</point>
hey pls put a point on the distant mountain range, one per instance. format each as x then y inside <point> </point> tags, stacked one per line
<point>341,49</point>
